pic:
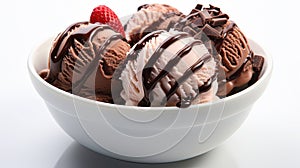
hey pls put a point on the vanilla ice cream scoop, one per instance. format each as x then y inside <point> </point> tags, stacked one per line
<point>166,69</point>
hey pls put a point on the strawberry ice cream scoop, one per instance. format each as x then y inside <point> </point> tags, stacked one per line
<point>166,69</point>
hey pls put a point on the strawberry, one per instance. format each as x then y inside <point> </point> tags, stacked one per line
<point>105,15</point>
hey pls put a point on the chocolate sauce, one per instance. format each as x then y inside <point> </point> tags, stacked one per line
<point>158,52</point>
<point>150,85</point>
<point>185,102</point>
<point>131,56</point>
<point>145,6</point>
<point>62,45</point>
<point>140,45</point>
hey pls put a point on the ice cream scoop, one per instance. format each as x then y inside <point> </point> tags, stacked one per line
<point>83,59</point>
<point>227,43</point>
<point>149,18</point>
<point>166,69</point>
<point>241,66</point>
<point>236,59</point>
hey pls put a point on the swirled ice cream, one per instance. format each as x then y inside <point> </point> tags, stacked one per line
<point>238,65</point>
<point>83,59</point>
<point>166,69</point>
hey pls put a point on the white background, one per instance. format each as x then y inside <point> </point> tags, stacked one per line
<point>29,136</point>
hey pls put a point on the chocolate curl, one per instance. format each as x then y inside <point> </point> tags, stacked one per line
<point>218,21</point>
<point>257,62</point>
<point>199,7</point>
<point>210,31</point>
<point>205,20</point>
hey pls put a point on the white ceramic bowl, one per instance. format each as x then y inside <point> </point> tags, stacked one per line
<point>151,135</point>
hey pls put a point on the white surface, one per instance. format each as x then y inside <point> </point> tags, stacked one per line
<point>30,138</point>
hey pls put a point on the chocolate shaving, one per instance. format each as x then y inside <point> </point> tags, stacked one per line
<point>223,15</point>
<point>210,31</point>
<point>198,22</point>
<point>208,20</point>
<point>189,30</point>
<point>219,29</point>
<point>205,15</point>
<point>218,21</point>
<point>257,63</point>
<point>214,7</point>
<point>212,27</point>
<point>214,12</point>
<point>199,7</point>
<point>195,11</point>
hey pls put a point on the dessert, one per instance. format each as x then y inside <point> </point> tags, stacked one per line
<point>160,58</point>
<point>83,59</point>
<point>166,69</point>
<point>149,18</point>
<point>239,66</point>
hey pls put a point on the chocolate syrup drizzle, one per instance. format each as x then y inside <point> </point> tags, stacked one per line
<point>141,44</point>
<point>149,84</point>
<point>158,52</point>
<point>63,44</point>
<point>57,53</point>
<point>185,102</point>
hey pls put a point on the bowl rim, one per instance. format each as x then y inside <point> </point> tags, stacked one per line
<point>266,73</point>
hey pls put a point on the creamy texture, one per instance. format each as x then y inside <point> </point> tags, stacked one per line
<point>174,60</point>
<point>149,18</point>
<point>83,59</point>
<point>228,45</point>
<point>194,71</point>
<point>236,57</point>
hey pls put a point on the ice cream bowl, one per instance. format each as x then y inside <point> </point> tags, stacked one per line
<point>146,134</point>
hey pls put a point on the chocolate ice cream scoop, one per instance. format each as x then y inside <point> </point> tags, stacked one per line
<point>241,66</point>
<point>228,45</point>
<point>234,50</point>
<point>83,59</point>
<point>236,57</point>
<point>166,69</point>
<point>149,18</point>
